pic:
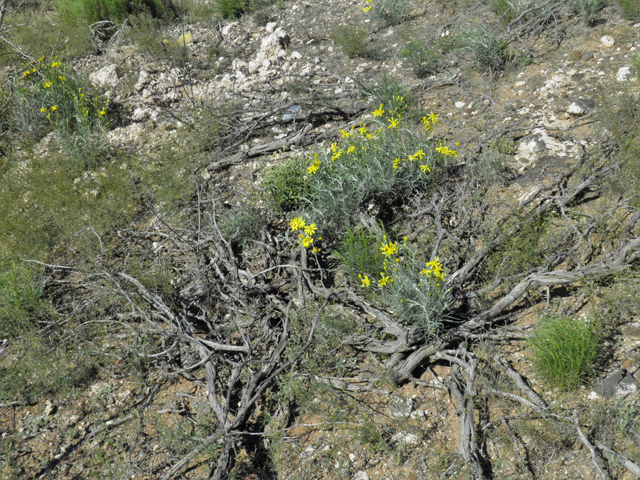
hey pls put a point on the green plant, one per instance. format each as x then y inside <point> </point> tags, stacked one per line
<point>241,224</point>
<point>588,9</point>
<point>418,296</point>
<point>630,9</point>
<point>424,61</point>
<point>21,299</point>
<point>53,97</point>
<point>508,10</point>
<point>391,12</point>
<point>236,8</point>
<point>91,11</point>
<point>287,185</point>
<point>353,38</point>
<point>359,251</point>
<point>396,99</point>
<point>564,351</point>
<point>489,52</point>
<point>503,145</point>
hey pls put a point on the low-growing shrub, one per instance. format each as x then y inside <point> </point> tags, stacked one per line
<point>21,300</point>
<point>630,9</point>
<point>489,52</point>
<point>509,10</point>
<point>286,184</point>
<point>359,251</point>
<point>91,11</point>
<point>396,99</point>
<point>353,39</point>
<point>588,9</point>
<point>564,351</point>
<point>423,60</point>
<point>391,12</point>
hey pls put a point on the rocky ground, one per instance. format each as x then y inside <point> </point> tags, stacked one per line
<point>280,83</point>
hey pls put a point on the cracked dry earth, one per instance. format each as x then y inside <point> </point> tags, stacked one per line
<point>125,427</point>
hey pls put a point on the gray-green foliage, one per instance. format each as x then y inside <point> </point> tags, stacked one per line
<point>489,51</point>
<point>588,9</point>
<point>21,299</point>
<point>565,351</point>
<point>391,12</point>
<point>359,252</point>
<point>418,300</point>
<point>630,9</point>
<point>423,60</point>
<point>353,38</point>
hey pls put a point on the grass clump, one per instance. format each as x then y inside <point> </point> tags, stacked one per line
<point>91,11</point>
<point>423,60</point>
<point>286,184</point>
<point>21,300</point>
<point>353,39</point>
<point>390,12</point>
<point>564,351</point>
<point>359,251</point>
<point>588,9</point>
<point>489,52</point>
<point>630,9</point>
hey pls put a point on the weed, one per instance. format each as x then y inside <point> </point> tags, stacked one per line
<point>503,145</point>
<point>508,10</point>
<point>396,99</point>
<point>489,52</point>
<point>424,61</point>
<point>353,38</point>
<point>287,185</point>
<point>630,9</point>
<point>21,300</point>
<point>236,8</point>
<point>391,12</point>
<point>369,434</point>
<point>588,9</point>
<point>564,351</point>
<point>359,251</point>
<point>91,11</point>
<point>241,224</point>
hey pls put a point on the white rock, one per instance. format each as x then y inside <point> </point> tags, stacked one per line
<point>143,79</point>
<point>575,109</point>
<point>307,451</point>
<point>460,104</point>
<point>140,114</point>
<point>607,41</point>
<point>296,55</point>
<point>352,457</point>
<point>623,73</point>
<point>520,84</point>
<point>271,26</point>
<point>105,77</point>
<point>361,475</point>
<point>406,438</point>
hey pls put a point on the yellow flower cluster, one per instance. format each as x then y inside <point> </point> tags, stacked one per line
<point>429,121</point>
<point>306,232</point>
<point>367,7</point>
<point>446,151</point>
<point>315,166</point>
<point>434,269</point>
<point>419,155</point>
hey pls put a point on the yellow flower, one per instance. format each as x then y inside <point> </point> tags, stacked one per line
<point>47,85</point>
<point>351,149</point>
<point>389,249</point>
<point>433,118</point>
<point>315,250</point>
<point>379,112</point>
<point>42,110</point>
<point>297,223</point>
<point>314,167</point>
<point>419,155</point>
<point>365,281</point>
<point>306,241</point>
<point>56,64</point>
<point>54,108</point>
<point>425,168</point>
<point>310,229</point>
<point>345,134</point>
<point>384,280</point>
<point>103,112</point>
<point>367,8</point>
<point>26,74</point>
<point>396,163</point>
<point>393,122</point>
<point>336,155</point>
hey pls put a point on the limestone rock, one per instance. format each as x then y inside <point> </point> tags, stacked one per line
<point>623,74</point>
<point>617,385</point>
<point>607,41</point>
<point>105,77</point>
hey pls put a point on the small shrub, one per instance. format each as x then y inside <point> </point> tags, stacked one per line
<point>353,38</point>
<point>424,61</point>
<point>588,9</point>
<point>564,351</point>
<point>503,145</point>
<point>287,185</point>
<point>91,11</point>
<point>230,8</point>
<point>418,295</point>
<point>508,10</point>
<point>630,9</point>
<point>243,224</point>
<point>489,52</point>
<point>396,99</point>
<point>53,97</point>
<point>21,300</point>
<point>359,251</point>
<point>391,12</point>
<point>449,42</point>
